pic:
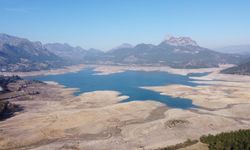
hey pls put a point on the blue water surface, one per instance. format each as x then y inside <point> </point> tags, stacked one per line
<point>127,83</point>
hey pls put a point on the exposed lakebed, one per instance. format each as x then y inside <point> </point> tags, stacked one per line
<point>127,83</point>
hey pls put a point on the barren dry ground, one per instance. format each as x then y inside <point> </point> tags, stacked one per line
<point>55,119</point>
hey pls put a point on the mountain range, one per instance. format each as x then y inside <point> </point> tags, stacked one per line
<point>19,54</point>
<point>177,52</point>
<point>74,54</point>
<point>235,49</point>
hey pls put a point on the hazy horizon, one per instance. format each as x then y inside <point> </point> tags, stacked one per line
<point>107,24</point>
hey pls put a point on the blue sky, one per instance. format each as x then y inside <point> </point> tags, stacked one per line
<point>105,24</point>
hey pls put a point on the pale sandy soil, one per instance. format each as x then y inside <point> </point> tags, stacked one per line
<point>74,68</point>
<point>215,75</point>
<point>56,119</point>
<point>198,146</point>
<point>106,70</point>
<point>215,90</point>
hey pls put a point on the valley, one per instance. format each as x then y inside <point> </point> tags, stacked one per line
<point>124,75</point>
<point>56,118</point>
<point>135,97</point>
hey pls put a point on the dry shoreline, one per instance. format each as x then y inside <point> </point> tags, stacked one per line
<point>56,119</point>
<point>67,69</point>
<point>112,69</point>
<point>107,70</point>
<point>214,91</point>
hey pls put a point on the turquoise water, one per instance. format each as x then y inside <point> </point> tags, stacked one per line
<point>128,83</point>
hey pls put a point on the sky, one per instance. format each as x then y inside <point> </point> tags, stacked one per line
<point>104,24</point>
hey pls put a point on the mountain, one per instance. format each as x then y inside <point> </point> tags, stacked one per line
<point>19,54</point>
<point>178,52</point>
<point>93,56</point>
<point>180,41</point>
<point>241,69</point>
<point>74,54</point>
<point>235,49</point>
<point>124,45</point>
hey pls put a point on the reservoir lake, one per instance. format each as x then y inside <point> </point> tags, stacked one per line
<point>127,83</point>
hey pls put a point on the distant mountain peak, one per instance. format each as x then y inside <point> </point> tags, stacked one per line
<point>12,40</point>
<point>94,50</point>
<point>124,45</point>
<point>180,41</point>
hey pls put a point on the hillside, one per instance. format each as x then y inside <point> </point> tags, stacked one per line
<point>228,140</point>
<point>19,54</point>
<point>242,69</point>
<point>177,52</point>
<point>235,49</point>
<point>7,108</point>
<point>74,55</point>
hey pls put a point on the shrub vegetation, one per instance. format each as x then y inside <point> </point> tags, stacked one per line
<point>235,140</point>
